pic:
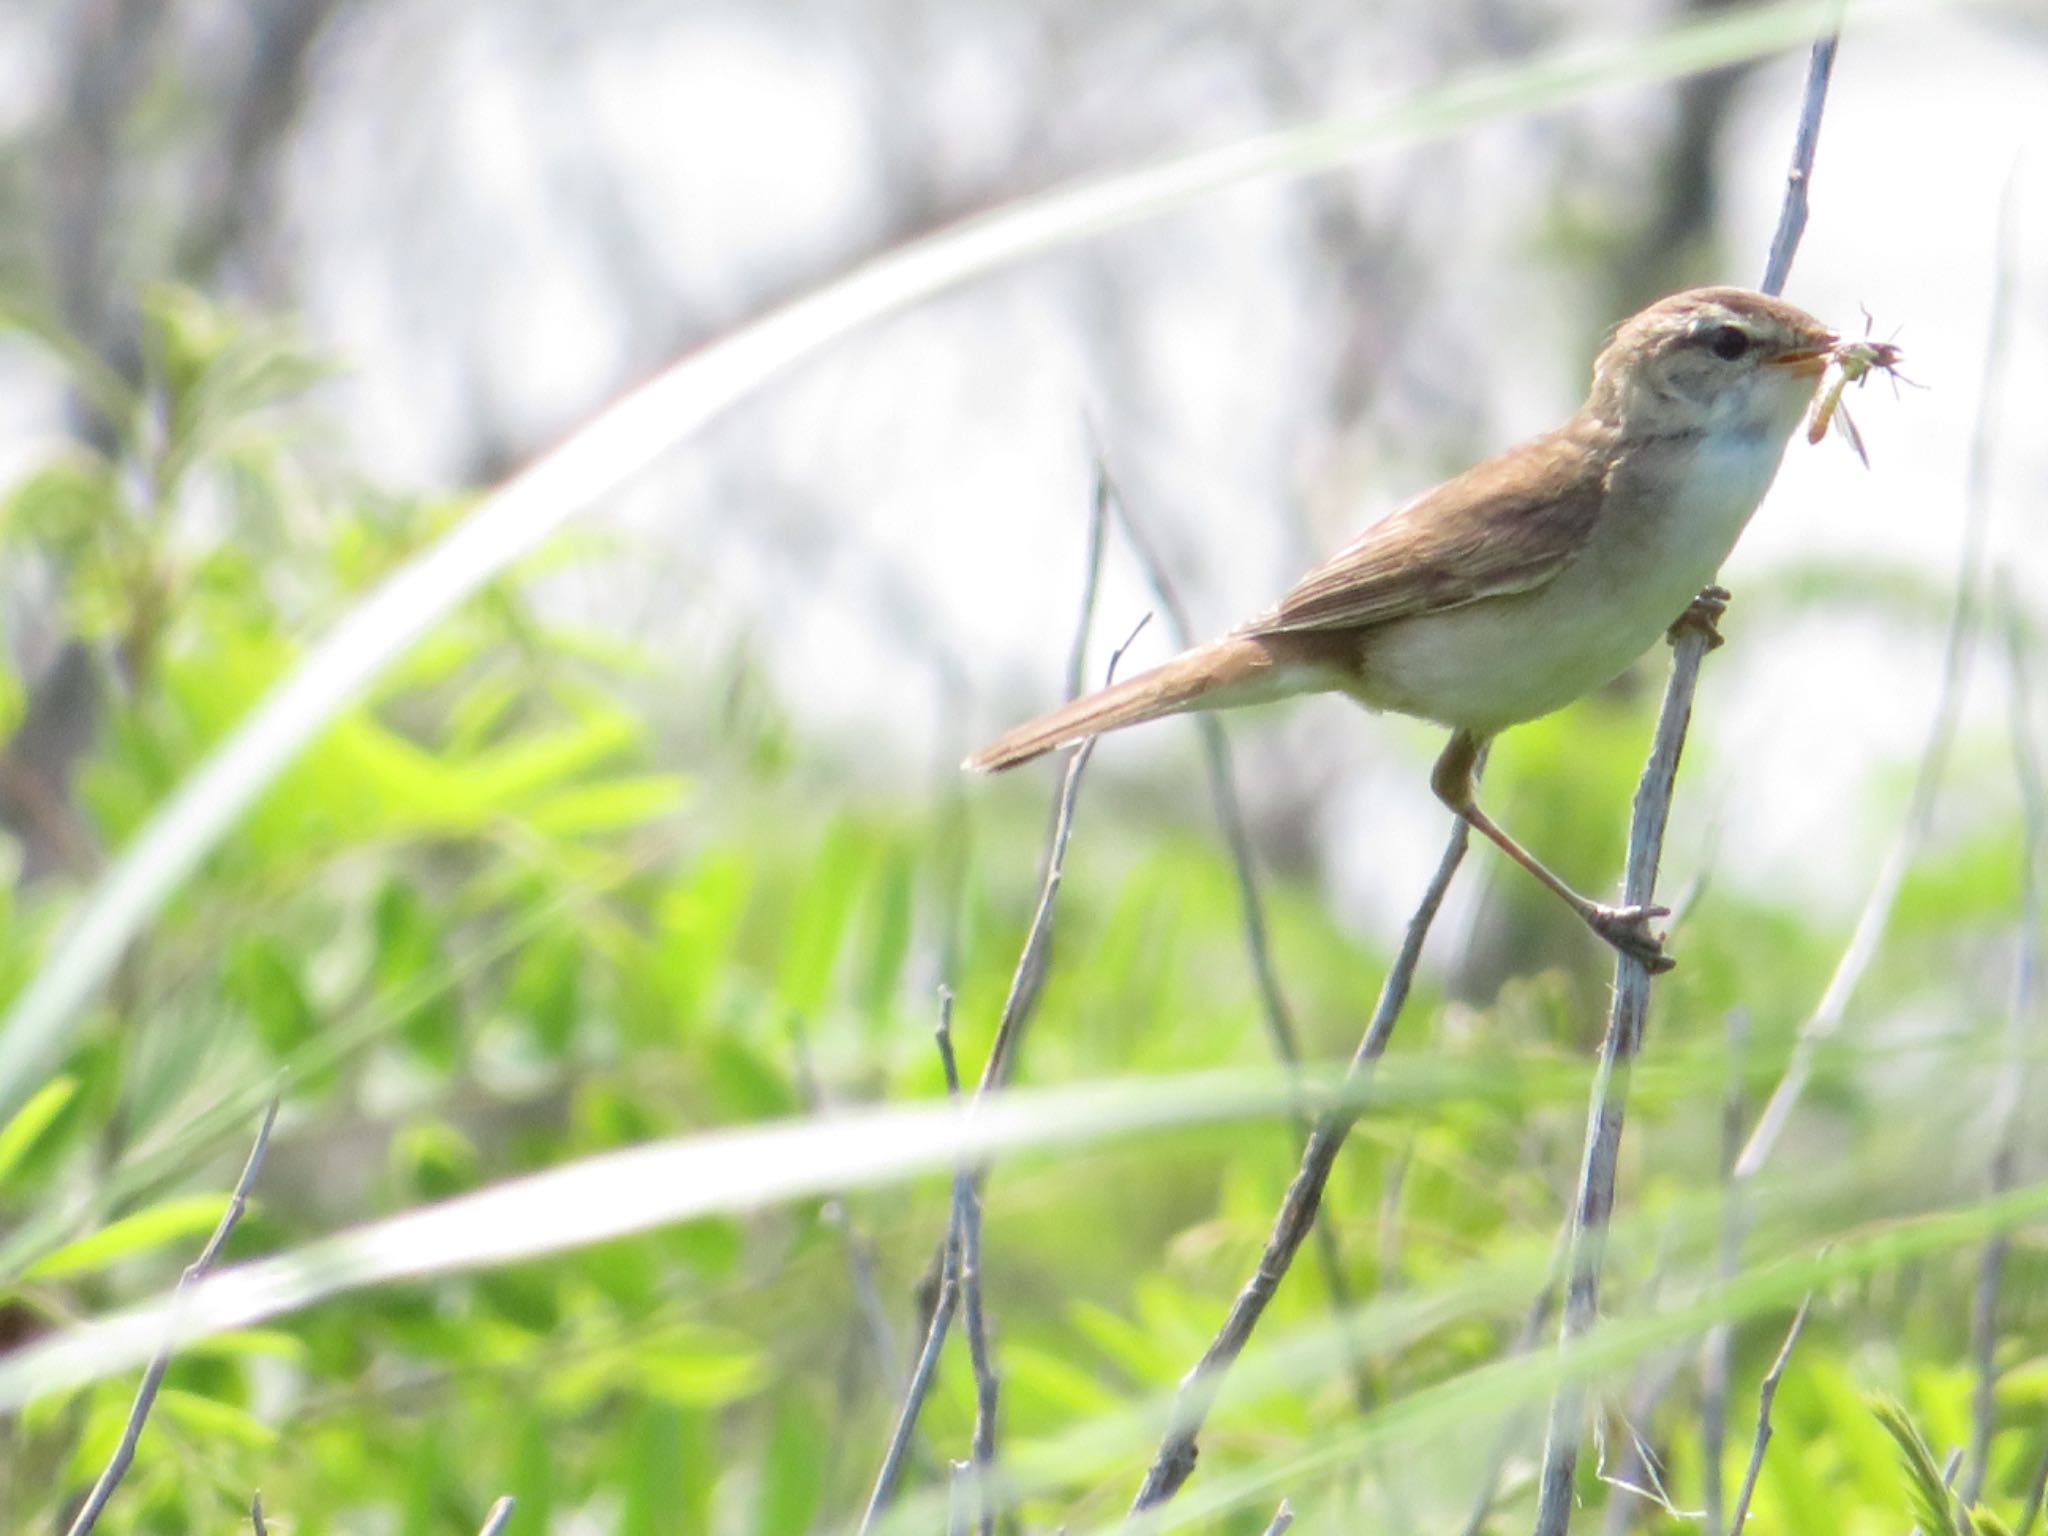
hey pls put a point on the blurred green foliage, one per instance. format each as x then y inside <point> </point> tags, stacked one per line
<point>517,908</point>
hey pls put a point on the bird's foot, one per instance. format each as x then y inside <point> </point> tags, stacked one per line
<point>1628,930</point>
<point>1702,617</point>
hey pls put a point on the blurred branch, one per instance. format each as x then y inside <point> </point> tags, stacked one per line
<point>1717,1350</point>
<point>1030,973</point>
<point>967,1222</point>
<point>1767,1394</point>
<point>2011,1090</point>
<point>1871,922</point>
<point>1594,1201</point>
<point>1229,808</point>
<point>1283,1520</point>
<point>943,1305</point>
<point>959,1259</point>
<point>2013,1079</point>
<point>500,1515</point>
<point>153,1377</point>
<point>235,185</point>
<point>1175,1459</point>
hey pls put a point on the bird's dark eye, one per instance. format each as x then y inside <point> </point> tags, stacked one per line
<point>1727,342</point>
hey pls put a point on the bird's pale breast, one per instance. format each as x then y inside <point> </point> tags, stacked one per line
<point>1668,521</point>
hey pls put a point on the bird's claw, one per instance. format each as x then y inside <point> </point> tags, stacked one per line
<point>1702,616</point>
<point>1628,930</point>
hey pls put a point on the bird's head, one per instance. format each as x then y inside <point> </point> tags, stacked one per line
<point>1712,359</point>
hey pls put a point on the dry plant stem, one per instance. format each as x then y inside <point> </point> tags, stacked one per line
<point>1594,1201</point>
<point>1175,1459</point>
<point>496,1520</point>
<point>920,1385</point>
<point>958,1277</point>
<point>1717,1351</point>
<point>2013,1085</point>
<point>153,1377</point>
<point>1025,983</point>
<point>1030,973</point>
<point>1229,809</point>
<point>966,1222</point>
<point>1029,977</point>
<point>1820,64</point>
<point>1283,1519</point>
<point>1766,1394</point>
<point>256,1515</point>
<point>1871,922</point>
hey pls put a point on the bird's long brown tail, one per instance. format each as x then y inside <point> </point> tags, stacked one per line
<point>1225,671</point>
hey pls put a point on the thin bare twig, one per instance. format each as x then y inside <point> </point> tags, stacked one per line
<point>153,1377</point>
<point>1820,65</point>
<point>966,1220</point>
<point>1229,809</point>
<point>500,1515</point>
<point>953,1262</point>
<point>1029,977</point>
<point>256,1514</point>
<point>1717,1350</point>
<point>921,1377</point>
<point>1223,794</point>
<point>1594,1200</point>
<point>1766,1394</point>
<point>1283,1519</point>
<point>1175,1459</point>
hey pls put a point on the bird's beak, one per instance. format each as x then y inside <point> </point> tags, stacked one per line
<point>1812,360</point>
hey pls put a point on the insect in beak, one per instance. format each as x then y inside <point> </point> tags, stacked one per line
<point>1844,363</point>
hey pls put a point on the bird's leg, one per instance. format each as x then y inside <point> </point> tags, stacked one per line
<point>1702,615</point>
<point>1626,928</point>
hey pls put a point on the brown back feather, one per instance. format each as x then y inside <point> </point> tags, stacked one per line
<point>1508,524</point>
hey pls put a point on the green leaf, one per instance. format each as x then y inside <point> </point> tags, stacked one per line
<point>817,929</point>
<point>262,975</point>
<point>62,509</point>
<point>699,1367</point>
<point>608,807</point>
<point>1933,1504</point>
<point>792,1469</point>
<point>19,1136</point>
<point>209,1421</point>
<point>188,1218</point>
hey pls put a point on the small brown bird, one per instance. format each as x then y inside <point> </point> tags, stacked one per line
<point>1533,577</point>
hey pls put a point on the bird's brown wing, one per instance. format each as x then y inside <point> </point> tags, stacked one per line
<point>1508,524</point>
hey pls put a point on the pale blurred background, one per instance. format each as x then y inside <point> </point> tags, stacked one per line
<point>494,217</point>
